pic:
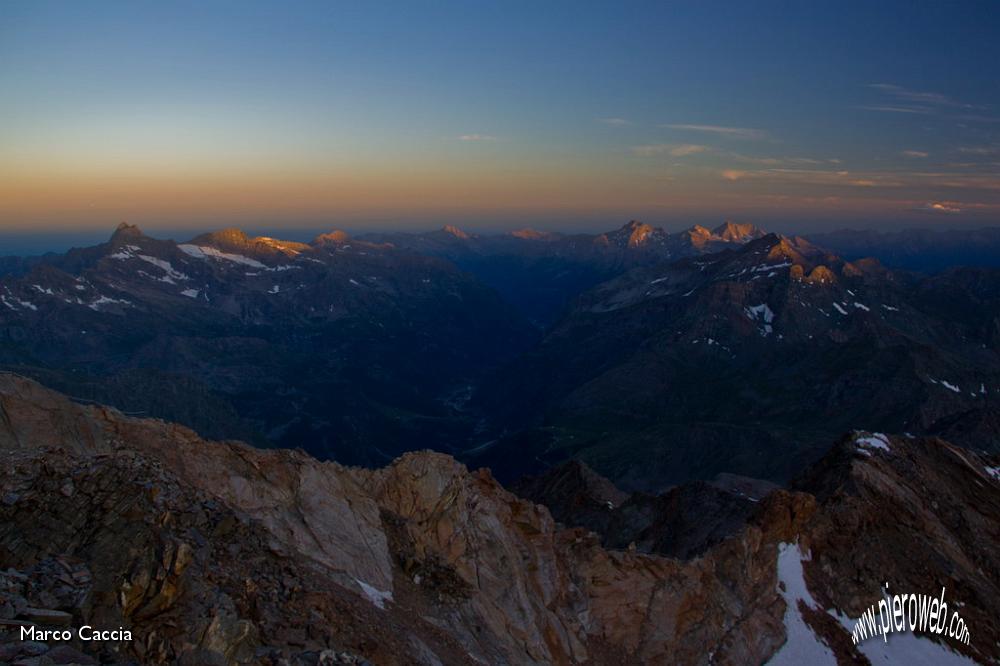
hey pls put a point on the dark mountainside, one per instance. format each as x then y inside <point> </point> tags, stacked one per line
<point>222,553</point>
<point>749,361</point>
<point>695,353</point>
<point>351,349</point>
<point>347,349</point>
<point>684,522</point>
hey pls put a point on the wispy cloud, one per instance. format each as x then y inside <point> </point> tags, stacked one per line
<point>897,99</point>
<point>916,180</point>
<point>914,154</point>
<point>614,122</point>
<point>780,161</point>
<point>477,137</point>
<point>735,132</point>
<point>979,150</point>
<point>921,110</point>
<point>951,207</point>
<point>918,97</point>
<point>687,149</point>
<point>674,150</point>
<point>814,177</point>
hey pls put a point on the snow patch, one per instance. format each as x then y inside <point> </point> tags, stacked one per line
<point>862,306</point>
<point>126,252</point>
<point>839,309</point>
<point>107,300</point>
<point>205,252</point>
<point>374,595</point>
<point>766,268</point>
<point>802,646</point>
<point>164,266</point>
<point>869,442</point>
<point>191,293</point>
<point>947,385</point>
<point>764,315</point>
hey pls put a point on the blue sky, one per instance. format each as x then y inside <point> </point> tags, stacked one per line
<point>578,115</point>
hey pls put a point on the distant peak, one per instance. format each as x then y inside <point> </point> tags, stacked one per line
<point>231,237</point>
<point>634,225</point>
<point>634,233</point>
<point>455,231</point>
<point>531,234</point>
<point>231,234</point>
<point>698,230</point>
<point>335,237</point>
<point>739,233</point>
<point>125,231</point>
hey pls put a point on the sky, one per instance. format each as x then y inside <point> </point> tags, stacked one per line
<point>567,116</point>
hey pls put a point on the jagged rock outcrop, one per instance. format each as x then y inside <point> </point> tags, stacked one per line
<point>219,553</point>
<point>683,522</point>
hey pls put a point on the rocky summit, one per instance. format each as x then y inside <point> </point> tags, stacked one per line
<point>215,552</point>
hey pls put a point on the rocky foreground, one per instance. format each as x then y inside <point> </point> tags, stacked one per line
<point>220,553</point>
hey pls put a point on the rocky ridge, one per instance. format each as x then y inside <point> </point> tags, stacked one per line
<point>215,552</point>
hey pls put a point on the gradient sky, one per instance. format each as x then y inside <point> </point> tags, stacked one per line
<point>801,116</point>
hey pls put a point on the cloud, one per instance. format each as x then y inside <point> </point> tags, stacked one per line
<point>979,150</point>
<point>914,154</point>
<point>687,149</point>
<point>778,161</point>
<point>477,137</point>
<point>736,132</point>
<point>674,150</point>
<point>897,99</point>
<point>914,96</point>
<point>940,207</point>
<point>820,177</point>
<point>614,122</point>
<point>922,110</point>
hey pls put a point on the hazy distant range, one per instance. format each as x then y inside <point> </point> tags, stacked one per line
<point>925,250</point>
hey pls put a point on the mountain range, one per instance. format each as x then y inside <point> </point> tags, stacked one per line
<point>668,356</point>
<point>637,447</point>
<point>345,348</point>
<point>750,361</point>
<point>540,272</point>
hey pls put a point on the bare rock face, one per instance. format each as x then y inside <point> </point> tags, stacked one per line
<point>683,522</point>
<point>916,514</point>
<point>219,553</point>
